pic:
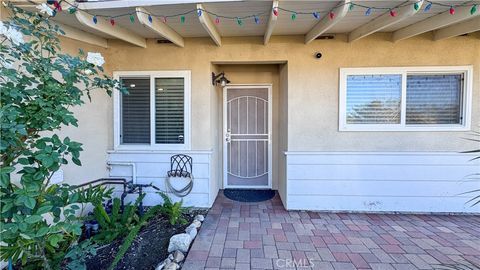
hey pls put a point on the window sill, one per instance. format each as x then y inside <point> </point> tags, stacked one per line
<point>375,128</point>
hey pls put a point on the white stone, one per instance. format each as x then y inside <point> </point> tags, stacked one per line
<point>171,266</point>
<point>197,223</point>
<point>178,256</point>
<point>170,256</point>
<point>200,218</point>
<point>191,226</point>
<point>162,264</point>
<point>179,242</point>
<point>193,233</point>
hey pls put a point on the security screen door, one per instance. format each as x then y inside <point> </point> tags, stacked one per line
<point>247,136</point>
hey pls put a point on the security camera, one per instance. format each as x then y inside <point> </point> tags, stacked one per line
<point>318,55</point>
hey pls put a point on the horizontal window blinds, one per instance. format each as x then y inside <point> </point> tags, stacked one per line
<point>135,111</point>
<point>373,99</point>
<point>434,99</point>
<point>169,110</point>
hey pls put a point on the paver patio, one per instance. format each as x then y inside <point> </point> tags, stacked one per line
<point>264,235</point>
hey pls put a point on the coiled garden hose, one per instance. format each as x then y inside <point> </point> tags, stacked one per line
<point>180,192</point>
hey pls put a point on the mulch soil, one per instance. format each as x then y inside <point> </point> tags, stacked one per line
<point>147,250</point>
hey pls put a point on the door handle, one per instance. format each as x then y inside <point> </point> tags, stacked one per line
<point>228,136</point>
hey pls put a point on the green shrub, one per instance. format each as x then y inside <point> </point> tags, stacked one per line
<point>117,223</point>
<point>174,211</point>
<point>39,87</point>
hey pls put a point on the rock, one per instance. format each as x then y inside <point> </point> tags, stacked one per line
<point>200,218</point>
<point>197,223</point>
<point>162,264</point>
<point>171,266</point>
<point>178,256</point>
<point>191,226</point>
<point>179,242</point>
<point>170,256</point>
<point>193,233</point>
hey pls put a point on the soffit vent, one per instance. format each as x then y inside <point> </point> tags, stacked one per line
<point>164,41</point>
<point>326,37</point>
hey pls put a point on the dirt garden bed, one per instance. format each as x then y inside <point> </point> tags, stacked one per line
<point>149,247</point>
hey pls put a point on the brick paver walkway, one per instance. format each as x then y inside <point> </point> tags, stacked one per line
<point>265,236</point>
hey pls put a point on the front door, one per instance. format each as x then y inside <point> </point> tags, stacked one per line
<point>247,129</point>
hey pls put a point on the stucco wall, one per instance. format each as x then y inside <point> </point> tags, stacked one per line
<point>312,89</point>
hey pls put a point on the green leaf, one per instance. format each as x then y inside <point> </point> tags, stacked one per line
<point>54,239</point>
<point>30,202</point>
<point>33,219</point>
<point>42,231</point>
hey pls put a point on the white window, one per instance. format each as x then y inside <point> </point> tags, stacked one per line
<point>156,112</point>
<point>405,99</point>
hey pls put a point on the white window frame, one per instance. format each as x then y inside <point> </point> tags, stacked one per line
<point>404,71</point>
<point>186,74</point>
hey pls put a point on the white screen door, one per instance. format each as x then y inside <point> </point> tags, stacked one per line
<point>247,129</point>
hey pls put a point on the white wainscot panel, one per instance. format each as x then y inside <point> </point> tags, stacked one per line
<point>406,182</point>
<point>152,167</point>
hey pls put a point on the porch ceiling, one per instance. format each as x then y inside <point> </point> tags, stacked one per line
<point>353,21</point>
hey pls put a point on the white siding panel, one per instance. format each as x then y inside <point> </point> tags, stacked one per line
<point>393,181</point>
<point>152,167</point>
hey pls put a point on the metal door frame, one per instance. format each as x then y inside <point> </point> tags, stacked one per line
<point>225,172</point>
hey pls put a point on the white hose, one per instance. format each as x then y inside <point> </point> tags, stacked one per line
<point>179,192</point>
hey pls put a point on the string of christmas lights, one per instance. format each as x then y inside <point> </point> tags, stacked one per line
<point>317,15</point>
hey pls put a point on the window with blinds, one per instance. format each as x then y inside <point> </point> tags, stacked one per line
<point>434,99</point>
<point>160,122</point>
<point>169,110</point>
<point>135,111</point>
<point>374,99</point>
<point>405,98</point>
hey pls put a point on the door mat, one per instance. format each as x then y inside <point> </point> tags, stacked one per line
<point>249,195</point>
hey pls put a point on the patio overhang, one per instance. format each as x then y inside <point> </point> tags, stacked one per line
<point>174,20</point>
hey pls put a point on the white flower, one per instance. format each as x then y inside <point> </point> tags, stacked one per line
<point>95,58</point>
<point>45,9</point>
<point>15,36</point>
<point>88,72</point>
<point>3,28</point>
<point>12,34</point>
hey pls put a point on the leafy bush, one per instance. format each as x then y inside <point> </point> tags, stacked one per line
<point>174,211</point>
<point>39,87</point>
<point>118,223</point>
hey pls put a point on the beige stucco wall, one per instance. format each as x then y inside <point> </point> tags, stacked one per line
<point>312,89</point>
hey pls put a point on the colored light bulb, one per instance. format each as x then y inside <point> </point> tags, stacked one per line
<point>452,11</point>
<point>51,2</point>
<point>275,11</point>
<point>473,10</point>
<point>164,19</point>
<point>239,22</point>
<point>368,12</point>
<point>150,19</point>
<point>132,18</point>
<point>331,15</point>
<point>95,20</point>
<point>182,19</point>
<point>352,5</point>
<point>199,12</point>
<point>217,20</point>
<point>256,19</point>
<point>57,6</point>
<point>428,7</point>
<point>294,16</point>
<point>72,10</point>
<point>416,6</point>
<point>316,15</point>
<point>112,22</point>
<point>393,13</point>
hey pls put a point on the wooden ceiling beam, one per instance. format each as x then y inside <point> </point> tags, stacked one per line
<point>80,35</point>
<point>326,23</point>
<point>208,25</point>
<point>384,21</point>
<point>272,21</point>
<point>159,27</point>
<point>458,29</point>
<point>435,22</point>
<point>108,29</point>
